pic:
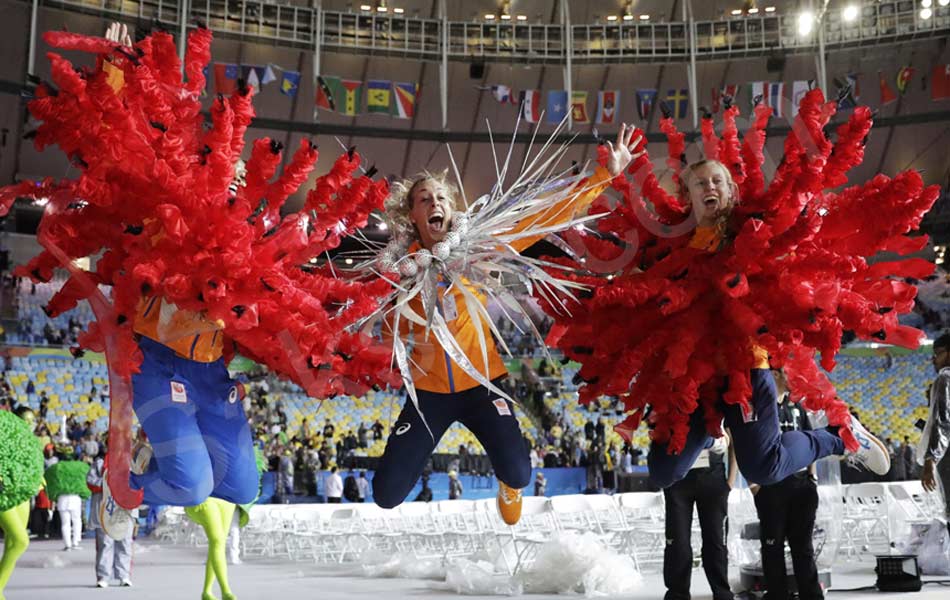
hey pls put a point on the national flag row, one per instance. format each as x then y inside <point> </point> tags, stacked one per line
<point>676,101</point>
<point>345,96</point>
<point>383,97</point>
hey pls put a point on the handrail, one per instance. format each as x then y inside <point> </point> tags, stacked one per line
<point>878,23</point>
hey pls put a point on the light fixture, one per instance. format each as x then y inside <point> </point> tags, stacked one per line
<point>399,11</point>
<point>644,17</point>
<point>522,17</point>
<point>943,2</point>
<point>366,7</point>
<point>489,17</point>
<point>381,9</point>
<point>629,17</point>
<point>382,226</point>
<point>753,11</point>
<point>806,21</point>
<point>506,17</point>
<point>770,9</point>
<point>348,261</point>
<point>926,13</point>
<point>736,12</point>
<point>926,3</point>
<point>850,12</point>
<point>611,18</point>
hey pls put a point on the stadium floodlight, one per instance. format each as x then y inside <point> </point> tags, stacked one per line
<point>806,21</point>
<point>926,13</point>
<point>943,2</point>
<point>926,3</point>
<point>850,12</point>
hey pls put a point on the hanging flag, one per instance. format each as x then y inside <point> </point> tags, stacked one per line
<point>290,83</point>
<point>378,96</point>
<point>848,92</point>
<point>206,71</point>
<point>903,78</point>
<point>557,106</point>
<point>726,93</point>
<point>225,78</point>
<point>678,102</point>
<point>251,77</point>
<point>607,102</point>
<point>351,98</point>
<point>887,94</point>
<point>530,101</point>
<point>327,88</point>
<point>940,82</point>
<point>268,75</point>
<point>501,93</point>
<point>579,107</point>
<point>799,89</point>
<point>405,99</point>
<point>769,94</point>
<point>645,100</point>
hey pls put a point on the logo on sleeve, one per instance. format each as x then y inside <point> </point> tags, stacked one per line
<point>179,394</point>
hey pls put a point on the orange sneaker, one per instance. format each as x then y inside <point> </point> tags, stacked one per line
<point>509,503</point>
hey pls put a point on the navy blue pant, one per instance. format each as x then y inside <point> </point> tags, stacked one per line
<point>765,454</point>
<point>489,417</point>
<point>197,428</point>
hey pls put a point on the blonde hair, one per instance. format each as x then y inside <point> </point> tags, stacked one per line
<point>399,203</point>
<point>688,170</point>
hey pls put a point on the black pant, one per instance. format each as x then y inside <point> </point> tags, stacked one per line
<point>787,511</point>
<point>410,445</point>
<point>708,489</point>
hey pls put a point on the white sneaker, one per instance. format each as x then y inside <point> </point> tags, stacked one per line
<point>141,457</point>
<point>871,453</point>
<point>115,520</point>
<point>126,582</point>
<point>102,583</point>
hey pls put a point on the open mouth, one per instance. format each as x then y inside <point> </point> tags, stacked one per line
<point>436,222</point>
<point>710,201</point>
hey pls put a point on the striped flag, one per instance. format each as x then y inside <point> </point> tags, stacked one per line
<point>645,100</point>
<point>720,94</point>
<point>903,78</point>
<point>405,99</point>
<point>379,96</point>
<point>530,101</point>
<point>579,107</point>
<point>327,87</point>
<point>769,94</point>
<point>351,97</point>
<point>607,103</point>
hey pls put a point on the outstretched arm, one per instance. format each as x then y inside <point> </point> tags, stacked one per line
<point>621,155</point>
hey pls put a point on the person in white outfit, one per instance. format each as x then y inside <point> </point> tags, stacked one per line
<point>70,518</point>
<point>334,487</point>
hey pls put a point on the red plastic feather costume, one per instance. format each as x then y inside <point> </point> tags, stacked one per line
<point>793,278</point>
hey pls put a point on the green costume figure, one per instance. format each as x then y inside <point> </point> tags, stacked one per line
<point>21,477</point>
<point>214,515</point>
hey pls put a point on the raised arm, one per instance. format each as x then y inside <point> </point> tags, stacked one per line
<point>620,156</point>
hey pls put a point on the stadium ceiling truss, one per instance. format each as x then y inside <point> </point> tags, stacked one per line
<point>304,27</point>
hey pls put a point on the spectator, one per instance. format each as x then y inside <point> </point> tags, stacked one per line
<point>328,430</point>
<point>285,484</point>
<point>455,486</point>
<point>540,484</point>
<point>334,487</point>
<point>425,494</point>
<point>113,557</point>
<point>361,435</point>
<point>589,430</point>
<point>377,430</point>
<point>363,485</point>
<point>908,459</point>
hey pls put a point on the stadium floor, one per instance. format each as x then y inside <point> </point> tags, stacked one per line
<point>162,571</point>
